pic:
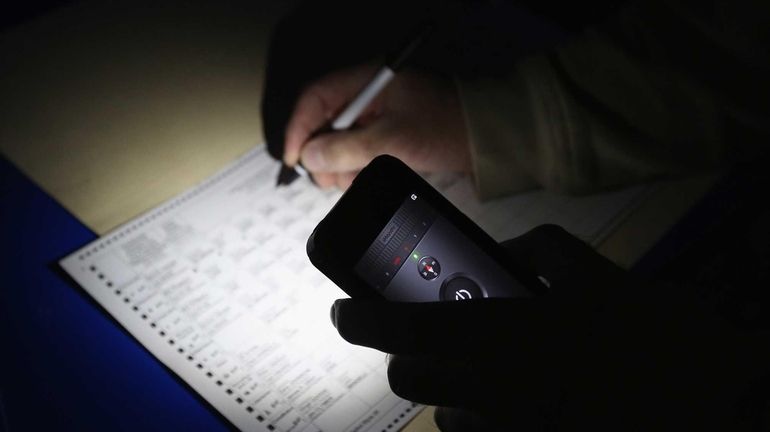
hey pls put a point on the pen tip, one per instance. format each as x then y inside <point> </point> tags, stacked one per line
<point>286,176</point>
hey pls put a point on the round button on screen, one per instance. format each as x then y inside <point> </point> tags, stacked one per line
<point>428,267</point>
<point>460,288</point>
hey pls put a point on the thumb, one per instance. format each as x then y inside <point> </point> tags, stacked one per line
<point>564,260</point>
<point>344,151</point>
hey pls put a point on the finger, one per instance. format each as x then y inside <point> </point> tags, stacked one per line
<point>459,420</point>
<point>318,104</point>
<point>310,113</point>
<point>325,180</point>
<point>434,381</point>
<point>343,151</point>
<point>563,259</point>
<point>462,420</point>
<point>485,382</point>
<point>439,328</point>
<point>344,180</point>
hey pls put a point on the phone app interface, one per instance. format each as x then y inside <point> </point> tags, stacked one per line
<point>420,256</point>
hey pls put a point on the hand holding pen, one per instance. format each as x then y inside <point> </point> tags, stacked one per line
<point>414,116</point>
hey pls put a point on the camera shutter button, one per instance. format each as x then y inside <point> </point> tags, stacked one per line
<point>457,287</point>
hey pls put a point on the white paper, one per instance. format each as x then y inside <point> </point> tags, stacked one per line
<point>216,284</point>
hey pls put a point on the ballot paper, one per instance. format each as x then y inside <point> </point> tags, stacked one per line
<point>217,285</point>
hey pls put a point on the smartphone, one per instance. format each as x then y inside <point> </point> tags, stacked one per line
<point>392,235</point>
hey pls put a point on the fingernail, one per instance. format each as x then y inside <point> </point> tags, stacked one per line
<point>312,158</point>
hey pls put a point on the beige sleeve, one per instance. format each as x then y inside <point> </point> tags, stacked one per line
<point>586,117</point>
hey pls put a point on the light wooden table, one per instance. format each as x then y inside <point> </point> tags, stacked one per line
<point>112,111</point>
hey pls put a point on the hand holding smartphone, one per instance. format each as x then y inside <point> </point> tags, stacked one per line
<point>392,235</point>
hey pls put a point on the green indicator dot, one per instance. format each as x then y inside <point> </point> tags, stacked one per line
<point>415,256</point>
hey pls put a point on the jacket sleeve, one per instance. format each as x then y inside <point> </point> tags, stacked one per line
<point>640,97</point>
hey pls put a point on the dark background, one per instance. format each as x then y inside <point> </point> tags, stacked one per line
<point>13,13</point>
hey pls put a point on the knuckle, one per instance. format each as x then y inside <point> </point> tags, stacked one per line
<point>312,91</point>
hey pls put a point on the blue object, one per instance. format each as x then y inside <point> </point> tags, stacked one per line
<point>65,363</point>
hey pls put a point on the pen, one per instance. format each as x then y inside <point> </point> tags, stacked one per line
<point>353,110</point>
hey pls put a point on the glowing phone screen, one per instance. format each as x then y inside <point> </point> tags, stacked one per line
<point>420,256</point>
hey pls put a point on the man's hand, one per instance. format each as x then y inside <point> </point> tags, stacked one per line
<point>599,350</point>
<point>417,118</point>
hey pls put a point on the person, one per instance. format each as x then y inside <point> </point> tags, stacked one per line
<point>601,350</point>
<point>654,92</point>
<point>644,91</point>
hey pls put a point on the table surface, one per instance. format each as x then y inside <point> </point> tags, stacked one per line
<point>98,127</point>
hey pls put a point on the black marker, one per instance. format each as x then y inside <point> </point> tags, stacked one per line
<point>354,109</point>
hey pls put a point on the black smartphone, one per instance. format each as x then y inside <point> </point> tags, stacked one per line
<point>392,235</point>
